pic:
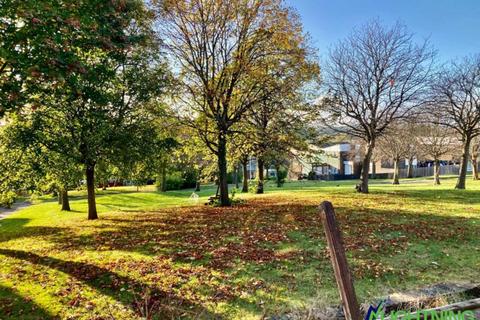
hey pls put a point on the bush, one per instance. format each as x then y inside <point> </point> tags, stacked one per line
<point>189,179</point>
<point>281,176</point>
<point>252,186</point>
<point>312,175</point>
<point>174,181</point>
<point>177,180</point>
<point>7,199</point>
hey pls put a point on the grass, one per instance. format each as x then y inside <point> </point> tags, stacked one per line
<point>170,255</point>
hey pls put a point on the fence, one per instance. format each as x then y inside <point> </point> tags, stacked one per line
<point>428,171</point>
<point>417,172</point>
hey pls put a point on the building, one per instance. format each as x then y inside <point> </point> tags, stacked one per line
<point>344,161</point>
<point>336,161</point>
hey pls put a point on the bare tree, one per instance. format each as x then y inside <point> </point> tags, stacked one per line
<point>394,145</point>
<point>456,92</point>
<point>474,155</point>
<point>411,132</point>
<point>375,77</point>
<point>220,48</point>
<point>434,142</point>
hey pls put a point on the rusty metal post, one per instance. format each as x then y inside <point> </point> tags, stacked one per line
<point>339,262</point>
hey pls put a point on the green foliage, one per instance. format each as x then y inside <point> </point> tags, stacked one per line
<point>7,199</point>
<point>281,176</point>
<point>252,185</point>
<point>233,193</point>
<point>230,177</point>
<point>173,181</point>
<point>189,177</point>
<point>312,175</point>
<point>52,45</point>
<point>94,87</point>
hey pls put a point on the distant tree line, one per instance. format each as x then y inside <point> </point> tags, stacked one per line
<point>188,91</point>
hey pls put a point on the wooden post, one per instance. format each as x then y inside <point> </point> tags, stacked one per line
<point>339,262</point>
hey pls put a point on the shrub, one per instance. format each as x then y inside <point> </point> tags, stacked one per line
<point>177,180</point>
<point>312,175</point>
<point>189,177</point>
<point>230,178</point>
<point>174,181</point>
<point>281,176</point>
<point>252,186</point>
<point>7,199</point>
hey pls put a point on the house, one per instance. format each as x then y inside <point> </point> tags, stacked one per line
<point>252,169</point>
<point>343,160</point>
<point>335,161</point>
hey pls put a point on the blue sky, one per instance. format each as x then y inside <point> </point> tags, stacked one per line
<point>453,26</point>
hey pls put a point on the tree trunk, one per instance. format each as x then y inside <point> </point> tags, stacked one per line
<point>374,170</point>
<point>235,176</point>
<point>475,167</point>
<point>92,207</point>
<point>363,187</point>
<point>222,170</point>
<point>436,172</point>
<point>410,168</point>
<point>396,171</point>
<point>65,200</point>
<point>463,164</point>
<point>59,196</point>
<point>197,186</point>
<point>279,183</point>
<point>245,176</point>
<point>163,176</point>
<point>260,177</point>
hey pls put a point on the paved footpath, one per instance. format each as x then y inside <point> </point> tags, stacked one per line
<point>16,206</point>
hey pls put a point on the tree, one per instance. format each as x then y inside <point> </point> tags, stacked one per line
<point>395,146</point>
<point>47,170</point>
<point>64,174</point>
<point>411,131</point>
<point>279,162</point>
<point>44,43</point>
<point>474,154</point>
<point>435,141</point>
<point>374,77</point>
<point>241,149</point>
<point>193,157</point>
<point>279,120</point>
<point>99,110</point>
<point>32,37</point>
<point>220,48</point>
<point>456,96</point>
<point>19,170</point>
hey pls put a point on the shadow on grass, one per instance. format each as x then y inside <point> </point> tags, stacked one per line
<point>220,237</point>
<point>14,306</point>
<point>14,228</point>
<point>245,236</point>
<point>109,283</point>
<point>437,195</point>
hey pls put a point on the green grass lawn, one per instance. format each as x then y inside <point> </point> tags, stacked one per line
<point>170,255</point>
